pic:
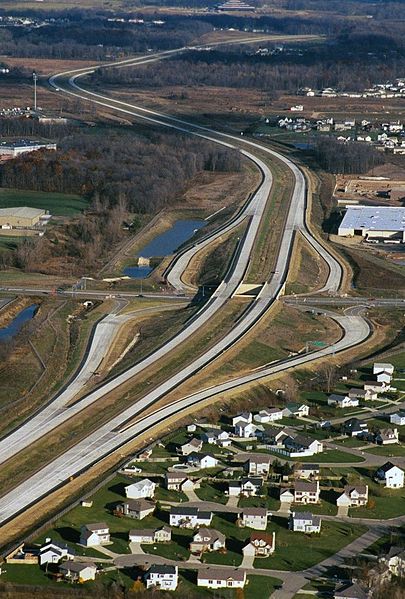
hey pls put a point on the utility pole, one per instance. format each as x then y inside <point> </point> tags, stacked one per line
<point>35,78</point>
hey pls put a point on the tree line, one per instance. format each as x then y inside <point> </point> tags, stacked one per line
<point>346,157</point>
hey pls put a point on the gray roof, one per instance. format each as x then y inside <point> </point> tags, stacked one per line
<point>96,526</point>
<point>162,569</point>
<point>221,574</point>
<point>303,486</point>
<point>316,520</point>
<point>351,591</point>
<point>379,218</point>
<point>22,212</point>
<point>76,567</point>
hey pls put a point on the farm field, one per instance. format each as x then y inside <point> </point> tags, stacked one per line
<point>58,204</point>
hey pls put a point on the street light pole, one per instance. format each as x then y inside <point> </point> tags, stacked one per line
<point>35,78</point>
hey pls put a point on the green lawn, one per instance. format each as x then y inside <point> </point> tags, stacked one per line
<point>395,450</point>
<point>212,492</point>
<point>297,551</point>
<point>261,587</point>
<point>67,528</point>
<point>350,442</point>
<point>58,204</point>
<point>330,455</point>
<point>162,494</point>
<point>177,549</point>
<point>390,504</point>
<point>272,503</point>
<point>24,574</point>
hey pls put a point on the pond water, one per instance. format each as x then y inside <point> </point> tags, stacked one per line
<point>8,332</point>
<point>164,244</point>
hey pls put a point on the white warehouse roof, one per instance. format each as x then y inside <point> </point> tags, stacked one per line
<point>374,218</point>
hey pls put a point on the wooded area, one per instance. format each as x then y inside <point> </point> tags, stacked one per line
<point>346,157</point>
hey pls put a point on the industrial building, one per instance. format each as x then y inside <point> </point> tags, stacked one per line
<point>22,218</point>
<point>374,222</point>
<point>13,149</point>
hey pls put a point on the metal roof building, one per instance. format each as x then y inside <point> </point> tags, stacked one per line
<point>12,149</point>
<point>374,222</point>
<point>20,217</point>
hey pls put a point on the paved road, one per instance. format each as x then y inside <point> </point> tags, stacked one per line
<point>113,434</point>
<point>333,300</point>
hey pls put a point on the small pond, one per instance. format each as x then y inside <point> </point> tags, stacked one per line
<point>10,331</point>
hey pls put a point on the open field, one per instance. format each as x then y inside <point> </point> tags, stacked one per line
<point>58,204</point>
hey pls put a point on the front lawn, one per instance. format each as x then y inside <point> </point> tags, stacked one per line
<point>334,456</point>
<point>395,450</point>
<point>390,505</point>
<point>272,503</point>
<point>297,551</point>
<point>261,587</point>
<point>177,549</point>
<point>212,492</point>
<point>162,494</point>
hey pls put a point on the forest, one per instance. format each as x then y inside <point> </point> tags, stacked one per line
<point>346,63</point>
<point>119,174</point>
<point>346,157</point>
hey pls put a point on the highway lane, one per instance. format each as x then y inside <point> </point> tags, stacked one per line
<point>115,434</point>
<point>106,439</point>
<point>369,302</point>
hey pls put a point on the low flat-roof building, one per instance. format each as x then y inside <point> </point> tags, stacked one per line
<point>20,217</point>
<point>13,149</point>
<point>373,222</point>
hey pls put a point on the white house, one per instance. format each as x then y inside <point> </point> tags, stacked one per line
<point>384,377</point>
<point>269,415</point>
<point>383,367</point>
<point>207,539</point>
<point>301,443</point>
<point>387,436</point>
<point>305,522</point>
<point>242,417</point>
<point>342,401</point>
<point>142,489</point>
<point>190,447</point>
<point>177,481</point>
<point>353,496</point>
<point>162,577</point>
<point>391,475</point>
<point>286,495</point>
<point>220,578</point>
<point>244,430</point>
<point>311,471</point>
<point>398,418</point>
<point>254,517</point>
<point>78,571</point>
<point>376,386</point>
<point>94,534</point>
<point>150,535</point>
<point>248,487</point>
<point>189,517</point>
<point>306,492</point>
<point>202,460</point>
<point>257,465</point>
<point>53,553</point>
<point>261,544</point>
<point>299,410</point>
<point>355,392</point>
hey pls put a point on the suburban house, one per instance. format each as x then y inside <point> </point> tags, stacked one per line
<point>274,436</point>
<point>303,443</point>
<point>261,544</point>
<point>163,577</point>
<point>379,367</point>
<point>53,553</point>
<point>150,535</point>
<point>353,496</point>
<point>94,534</point>
<point>207,539</point>
<point>376,386</point>
<point>342,401</point>
<point>248,487</point>
<point>307,471</point>
<point>142,489</point>
<point>395,561</point>
<point>244,430</point>
<point>350,591</point>
<point>78,571</point>
<point>136,508</point>
<point>387,436</point>
<point>305,522</point>
<point>362,394</point>
<point>220,578</point>
<point>253,517</point>
<point>176,481</point>
<point>286,495</point>
<point>298,410</point>
<point>190,447</point>
<point>202,460</point>
<point>242,417</point>
<point>391,476</point>
<point>398,418</point>
<point>217,437</point>
<point>268,415</point>
<point>355,427</point>
<point>189,517</point>
<point>384,377</point>
<point>306,492</point>
<point>257,465</point>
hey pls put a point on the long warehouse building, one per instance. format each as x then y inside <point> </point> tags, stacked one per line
<point>374,222</point>
<point>21,217</point>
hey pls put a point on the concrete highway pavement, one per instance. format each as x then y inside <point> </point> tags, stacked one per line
<point>345,301</point>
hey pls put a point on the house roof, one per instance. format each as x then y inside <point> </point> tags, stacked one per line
<point>316,520</point>
<point>387,466</point>
<point>301,485</point>
<point>303,440</point>
<point>254,511</point>
<point>221,574</point>
<point>140,484</point>
<point>94,527</point>
<point>351,591</point>
<point>383,365</point>
<point>361,489</point>
<point>257,459</point>
<point>212,534</point>
<point>336,397</point>
<point>373,384</point>
<point>262,536</point>
<point>142,532</point>
<point>307,467</point>
<point>76,567</point>
<point>162,569</point>
<point>254,480</point>
<point>139,505</point>
<point>55,546</point>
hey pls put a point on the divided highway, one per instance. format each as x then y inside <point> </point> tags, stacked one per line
<point>113,434</point>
